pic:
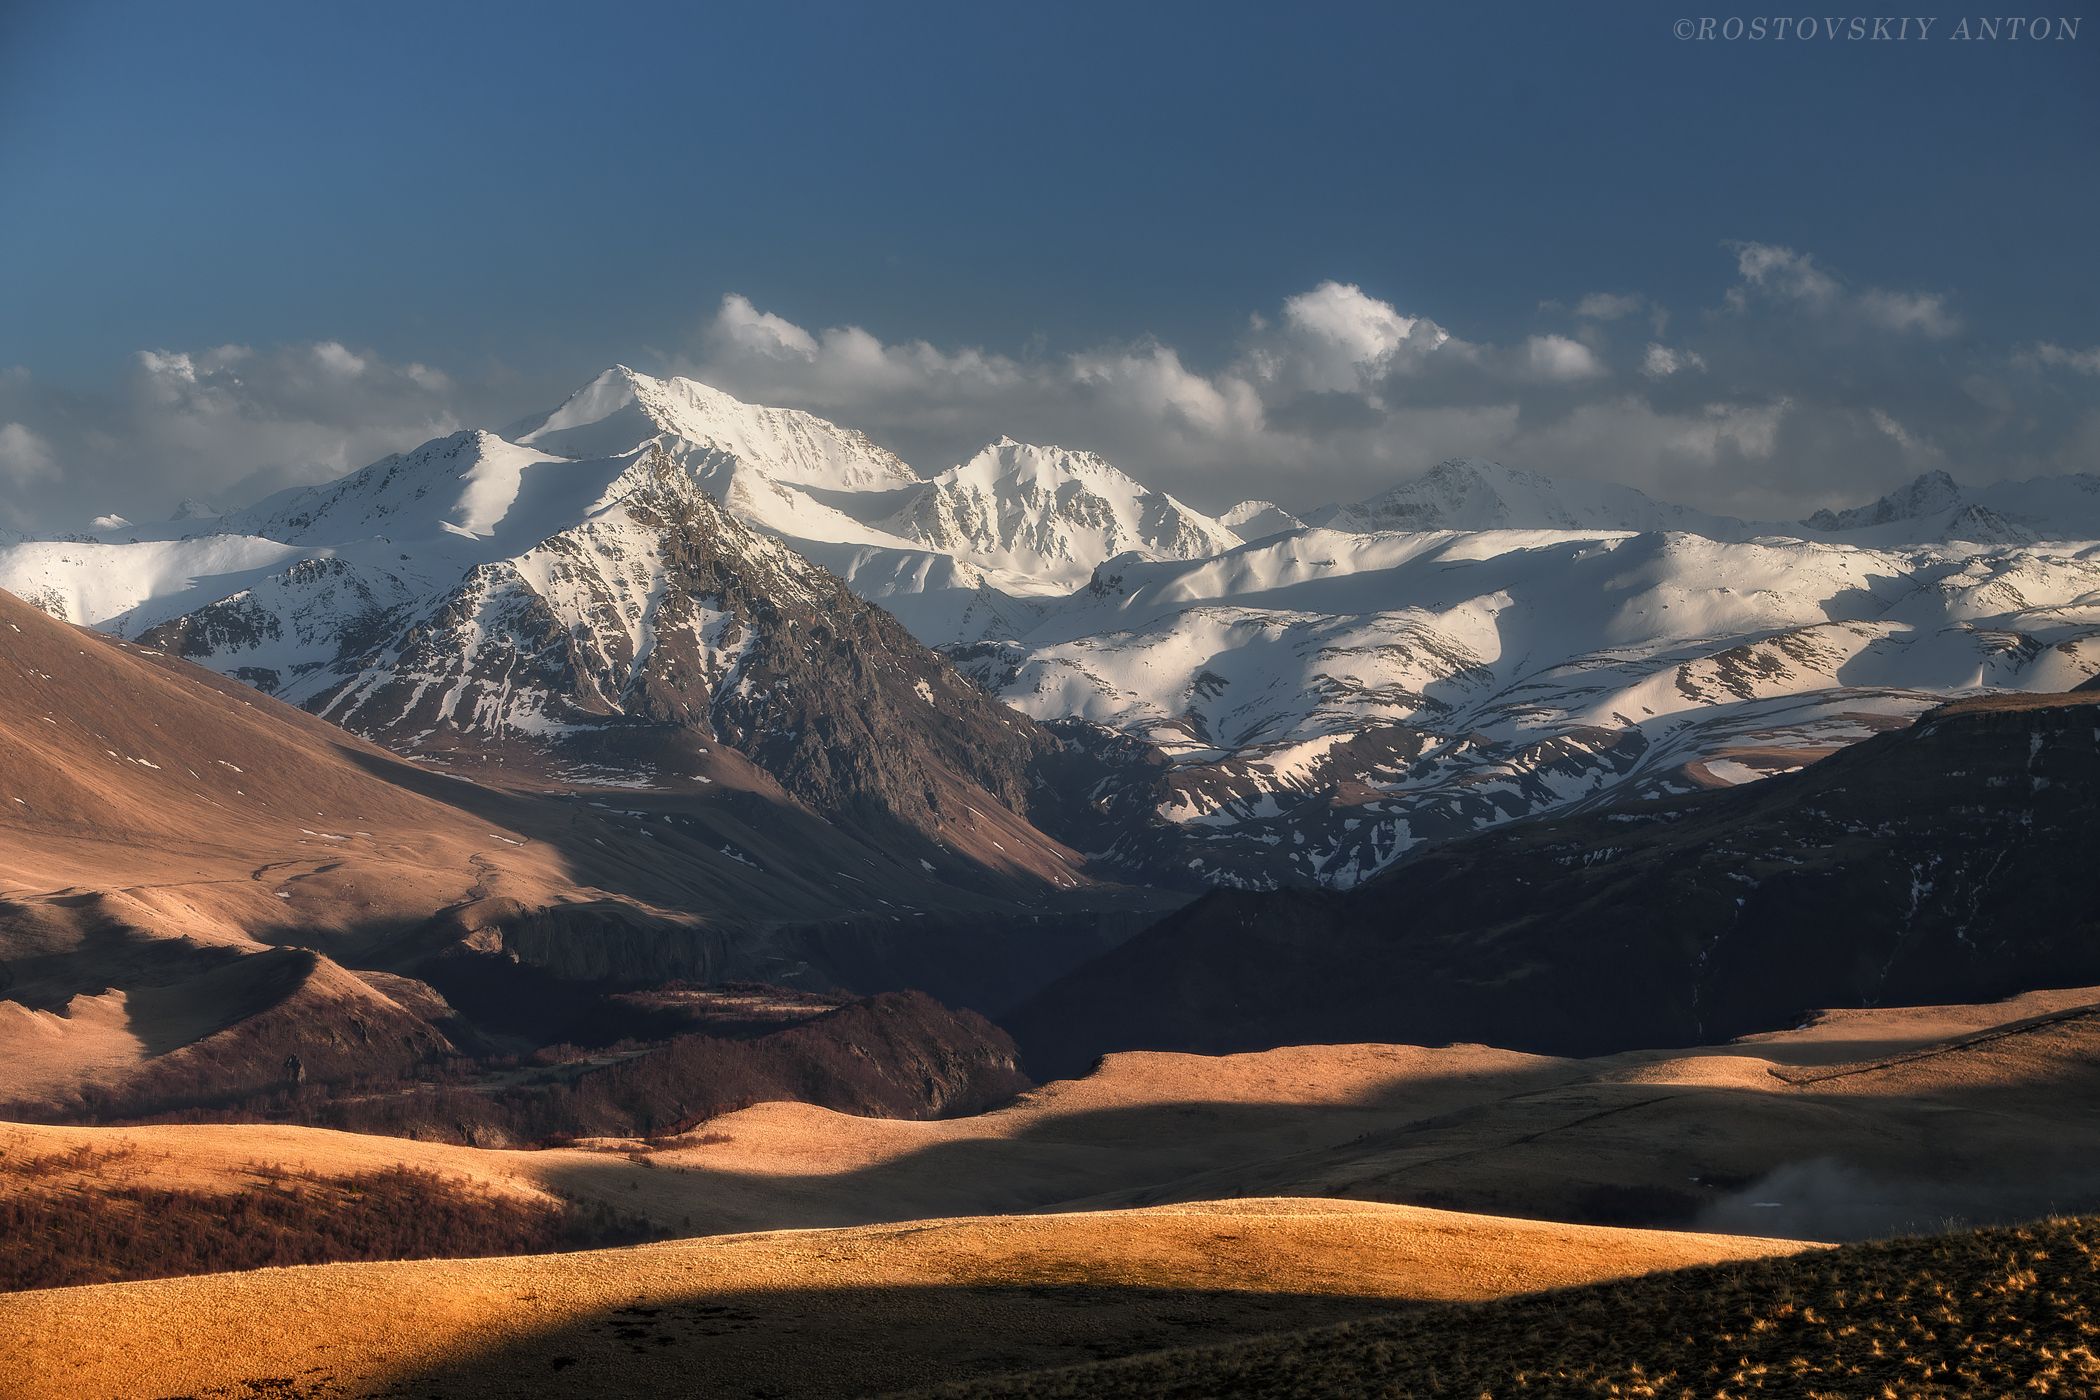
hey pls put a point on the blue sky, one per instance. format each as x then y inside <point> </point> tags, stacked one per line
<point>510,196</point>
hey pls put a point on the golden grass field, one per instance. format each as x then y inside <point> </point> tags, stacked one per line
<point>802,1313</point>
<point>1165,1200</point>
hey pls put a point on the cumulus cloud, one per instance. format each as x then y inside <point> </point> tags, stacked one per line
<point>1151,382</point>
<point>1337,338</point>
<point>1557,357</point>
<point>1782,273</point>
<point>740,327</point>
<point>1661,361</point>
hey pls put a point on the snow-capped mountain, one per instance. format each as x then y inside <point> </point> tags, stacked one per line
<point>1934,493</point>
<point>477,600</point>
<point>1252,520</point>
<point>1475,494</point>
<point>1936,507</point>
<point>1049,515</point>
<point>658,582</point>
<point>1328,701</point>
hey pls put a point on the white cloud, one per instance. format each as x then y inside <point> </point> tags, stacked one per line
<point>1660,362</point>
<point>1150,381</point>
<point>1784,276</point>
<point>741,327</point>
<point>1337,337</point>
<point>24,456</point>
<point>2048,354</point>
<point>1783,273</point>
<point>1923,312</point>
<point>1555,357</point>
<point>334,358</point>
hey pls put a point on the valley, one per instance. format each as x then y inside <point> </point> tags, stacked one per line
<point>1163,1200</point>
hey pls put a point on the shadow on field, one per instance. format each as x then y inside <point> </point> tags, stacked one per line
<point>802,1344</point>
<point>2002,1131</point>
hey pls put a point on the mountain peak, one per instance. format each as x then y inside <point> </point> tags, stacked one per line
<point>622,409</point>
<point>1041,463</point>
<point>1050,513</point>
<point>1253,520</point>
<point>1927,494</point>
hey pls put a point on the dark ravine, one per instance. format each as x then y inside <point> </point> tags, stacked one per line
<point>533,1061</point>
<point>1925,865</point>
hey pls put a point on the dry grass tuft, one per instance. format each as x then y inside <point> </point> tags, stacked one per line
<point>1986,1312</point>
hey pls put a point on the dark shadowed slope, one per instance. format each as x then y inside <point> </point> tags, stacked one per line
<point>1944,862</point>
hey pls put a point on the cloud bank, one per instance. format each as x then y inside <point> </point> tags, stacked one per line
<point>1796,386</point>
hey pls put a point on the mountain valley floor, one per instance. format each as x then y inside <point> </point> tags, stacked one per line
<point>1163,1201</point>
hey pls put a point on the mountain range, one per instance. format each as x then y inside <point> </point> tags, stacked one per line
<point>656,586</point>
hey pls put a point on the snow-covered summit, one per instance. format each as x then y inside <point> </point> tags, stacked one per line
<point>622,408</point>
<point>1936,508</point>
<point>1930,494</point>
<point>1050,512</point>
<point>1253,520</point>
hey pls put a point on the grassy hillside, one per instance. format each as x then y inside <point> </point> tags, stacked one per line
<point>802,1314</point>
<point>1985,1312</point>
